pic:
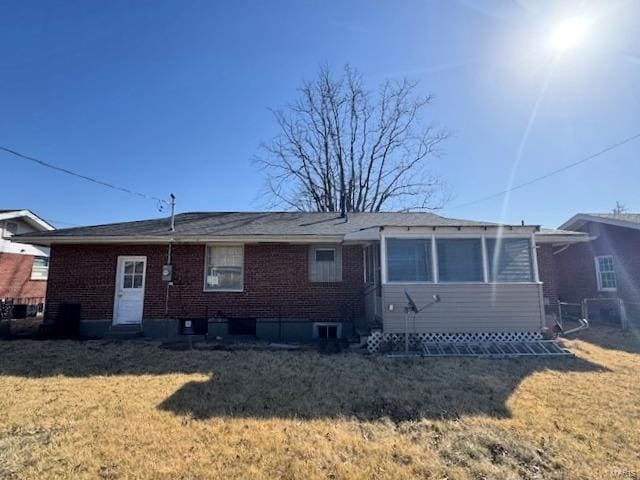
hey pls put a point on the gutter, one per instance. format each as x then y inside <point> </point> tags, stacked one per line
<point>164,239</point>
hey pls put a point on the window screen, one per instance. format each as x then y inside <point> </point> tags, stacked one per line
<point>372,271</point>
<point>460,260</point>
<point>509,260</point>
<point>224,267</point>
<point>409,260</point>
<point>325,264</point>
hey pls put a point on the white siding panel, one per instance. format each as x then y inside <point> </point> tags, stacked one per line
<point>465,308</point>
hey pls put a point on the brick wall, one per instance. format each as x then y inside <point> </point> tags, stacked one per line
<point>576,265</point>
<point>15,277</point>
<point>548,276</point>
<point>275,283</point>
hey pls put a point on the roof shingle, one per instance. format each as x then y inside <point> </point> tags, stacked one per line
<point>262,223</point>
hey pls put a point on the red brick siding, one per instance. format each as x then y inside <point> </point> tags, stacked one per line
<point>275,283</point>
<point>548,276</point>
<point>15,277</point>
<point>576,265</point>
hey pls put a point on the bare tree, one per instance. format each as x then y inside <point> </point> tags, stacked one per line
<point>342,148</point>
<point>619,209</point>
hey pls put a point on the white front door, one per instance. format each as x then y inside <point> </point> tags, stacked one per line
<point>130,280</point>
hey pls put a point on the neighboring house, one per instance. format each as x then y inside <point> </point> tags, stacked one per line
<point>23,267</point>
<point>608,266</point>
<point>298,276</point>
<point>549,243</point>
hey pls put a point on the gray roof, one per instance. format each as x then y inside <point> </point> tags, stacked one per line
<point>628,220</point>
<point>624,217</point>
<point>260,223</point>
<point>560,237</point>
<point>558,232</point>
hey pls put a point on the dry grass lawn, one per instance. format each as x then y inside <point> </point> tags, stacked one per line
<point>133,410</point>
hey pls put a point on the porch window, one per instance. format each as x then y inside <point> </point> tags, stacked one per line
<point>40,268</point>
<point>325,264</point>
<point>460,260</point>
<point>224,269</point>
<point>409,260</point>
<point>509,260</point>
<point>605,273</point>
<point>371,269</point>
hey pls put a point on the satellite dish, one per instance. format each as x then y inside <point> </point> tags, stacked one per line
<point>412,305</point>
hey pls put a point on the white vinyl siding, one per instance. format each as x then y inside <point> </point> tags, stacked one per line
<point>605,273</point>
<point>409,260</point>
<point>509,260</point>
<point>460,260</point>
<point>40,268</point>
<point>224,268</point>
<point>325,263</point>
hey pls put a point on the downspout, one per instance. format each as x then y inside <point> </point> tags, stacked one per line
<point>172,228</point>
<point>166,300</point>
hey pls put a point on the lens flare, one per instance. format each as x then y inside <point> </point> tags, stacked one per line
<point>569,33</point>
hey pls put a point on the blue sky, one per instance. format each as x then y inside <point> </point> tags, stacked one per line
<point>167,97</point>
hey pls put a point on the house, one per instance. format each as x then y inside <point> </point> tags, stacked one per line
<point>23,266</point>
<point>298,276</point>
<point>604,269</point>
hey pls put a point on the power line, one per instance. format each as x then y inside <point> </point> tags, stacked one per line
<point>83,177</point>
<point>549,174</point>
<point>59,222</point>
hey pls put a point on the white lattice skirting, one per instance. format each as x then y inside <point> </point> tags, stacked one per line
<point>395,341</point>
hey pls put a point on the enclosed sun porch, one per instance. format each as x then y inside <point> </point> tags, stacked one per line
<point>486,280</point>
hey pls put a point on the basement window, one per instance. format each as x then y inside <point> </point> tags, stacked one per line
<point>326,331</point>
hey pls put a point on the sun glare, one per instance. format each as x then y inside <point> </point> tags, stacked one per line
<point>569,33</point>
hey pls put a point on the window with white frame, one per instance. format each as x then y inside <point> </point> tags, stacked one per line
<point>409,260</point>
<point>460,260</point>
<point>509,260</point>
<point>224,268</point>
<point>605,273</point>
<point>40,268</point>
<point>325,263</point>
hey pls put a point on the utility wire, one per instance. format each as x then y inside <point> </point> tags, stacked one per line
<point>549,174</point>
<point>83,177</point>
<point>59,222</point>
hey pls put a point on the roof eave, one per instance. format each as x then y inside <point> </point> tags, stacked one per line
<point>30,217</point>
<point>163,239</point>
<point>580,219</point>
